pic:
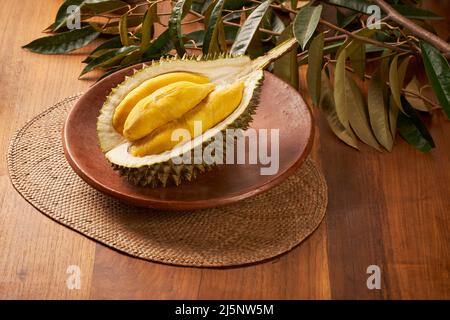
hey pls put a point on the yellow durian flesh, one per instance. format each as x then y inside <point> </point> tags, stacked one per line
<point>145,89</point>
<point>215,108</point>
<point>162,106</point>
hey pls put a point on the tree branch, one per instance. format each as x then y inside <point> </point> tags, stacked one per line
<point>361,38</point>
<point>415,29</point>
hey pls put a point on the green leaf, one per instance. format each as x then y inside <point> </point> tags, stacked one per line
<point>276,23</point>
<point>326,50</point>
<point>315,62</point>
<point>378,112</point>
<point>393,116</point>
<point>412,129</point>
<point>180,9</point>
<point>62,16</point>
<point>328,108</point>
<point>123,29</point>
<point>417,103</point>
<point>438,73</point>
<point>396,78</point>
<point>353,45</point>
<point>86,6</point>
<point>150,17</point>
<point>158,47</point>
<point>108,58</point>
<point>286,67</point>
<point>305,23</point>
<point>357,57</point>
<point>212,29</point>
<point>342,95</point>
<point>294,4</point>
<point>359,115</point>
<point>249,28</point>
<point>63,42</point>
<point>112,43</point>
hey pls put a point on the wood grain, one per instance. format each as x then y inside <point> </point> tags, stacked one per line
<point>388,209</point>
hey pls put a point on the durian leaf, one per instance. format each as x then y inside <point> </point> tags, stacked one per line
<point>417,103</point>
<point>221,37</point>
<point>63,42</point>
<point>148,29</point>
<point>397,78</point>
<point>179,10</point>
<point>107,58</point>
<point>198,35</point>
<point>112,43</point>
<point>113,27</point>
<point>352,45</point>
<point>158,47</point>
<point>326,50</point>
<point>249,28</point>
<point>294,4</point>
<point>211,31</point>
<point>378,111</point>
<point>315,62</point>
<point>286,67</point>
<point>328,108</point>
<point>305,23</point>
<point>412,129</point>
<point>277,24</point>
<point>206,5</point>
<point>86,6</point>
<point>438,73</point>
<point>342,95</point>
<point>393,116</point>
<point>62,16</point>
<point>123,29</point>
<point>358,114</point>
<point>358,58</point>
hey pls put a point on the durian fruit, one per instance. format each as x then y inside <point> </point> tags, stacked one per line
<point>138,143</point>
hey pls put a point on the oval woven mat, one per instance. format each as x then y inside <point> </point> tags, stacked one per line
<point>252,230</point>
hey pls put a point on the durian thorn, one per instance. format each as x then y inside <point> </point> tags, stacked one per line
<point>273,54</point>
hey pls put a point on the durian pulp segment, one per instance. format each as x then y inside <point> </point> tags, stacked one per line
<point>121,156</point>
<point>162,106</point>
<point>215,108</point>
<point>145,89</point>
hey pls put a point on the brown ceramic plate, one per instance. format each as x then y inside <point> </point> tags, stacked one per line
<point>281,107</point>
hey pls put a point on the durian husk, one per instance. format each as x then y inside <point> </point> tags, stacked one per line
<point>166,172</point>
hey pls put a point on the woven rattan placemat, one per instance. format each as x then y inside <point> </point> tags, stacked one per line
<point>252,230</point>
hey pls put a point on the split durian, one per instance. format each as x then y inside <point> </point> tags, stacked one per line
<point>138,118</point>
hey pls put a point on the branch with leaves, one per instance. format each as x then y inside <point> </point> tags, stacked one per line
<point>344,53</point>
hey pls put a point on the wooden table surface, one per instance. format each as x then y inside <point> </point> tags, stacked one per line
<point>385,209</point>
